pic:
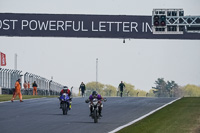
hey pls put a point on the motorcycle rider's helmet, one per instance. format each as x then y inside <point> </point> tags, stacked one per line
<point>65,87</point>
<point>94,94</point>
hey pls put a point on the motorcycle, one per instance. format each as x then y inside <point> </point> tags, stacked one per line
<point>95,108</point>
<point>65,103</point>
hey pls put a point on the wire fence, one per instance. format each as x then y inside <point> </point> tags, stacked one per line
<point>8,78</point>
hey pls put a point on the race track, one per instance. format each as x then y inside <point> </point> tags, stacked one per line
<point>44,116</point>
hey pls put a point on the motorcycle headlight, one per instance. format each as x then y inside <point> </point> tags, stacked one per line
<point>64,95</point>
<point>95,101</point>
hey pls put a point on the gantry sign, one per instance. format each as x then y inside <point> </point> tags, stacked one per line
<point>90,26</point>
<point>173,21</point>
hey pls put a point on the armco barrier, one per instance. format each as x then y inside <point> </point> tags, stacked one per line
<point>43,83</point>
<point>8,78</point>
<point>30,91</point>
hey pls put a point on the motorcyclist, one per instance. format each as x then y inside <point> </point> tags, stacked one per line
<point>67,91</point>
<point>99,97</point>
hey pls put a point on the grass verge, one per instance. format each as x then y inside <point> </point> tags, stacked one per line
<point>8,97</point>
<point>183,116</point>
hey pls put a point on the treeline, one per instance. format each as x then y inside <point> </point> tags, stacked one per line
<point>172,89</point>
<point>191,91</point>
<point>109,90</point>
<point>162,89</point>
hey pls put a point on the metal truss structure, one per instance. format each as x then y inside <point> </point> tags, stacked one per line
<point>176,22</point>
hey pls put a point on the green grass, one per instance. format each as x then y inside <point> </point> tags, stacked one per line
<point>183,116</point>
<point>8,97</point>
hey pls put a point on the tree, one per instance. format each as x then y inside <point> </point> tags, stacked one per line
<point>129,89</point>
<point>166,89</point>
<point>160,90</point>
<point>93,86</point>
<point>171,87</point>
<point>141,93</point>
<point>110,90</point>
<point>191,90</point>
<point>151,93</point>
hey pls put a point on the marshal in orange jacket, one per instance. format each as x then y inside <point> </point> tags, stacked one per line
<point>17,91</point>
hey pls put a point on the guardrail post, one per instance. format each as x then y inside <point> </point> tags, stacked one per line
<point>0,77</point>
<point>127,93</point>
<point>50,84</point>
<point>0,90</point>
<point>137,94</point>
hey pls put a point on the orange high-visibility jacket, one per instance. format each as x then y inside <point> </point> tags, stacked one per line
<point>17,86</point>
<point>25,85</point>
<point>28,85</point>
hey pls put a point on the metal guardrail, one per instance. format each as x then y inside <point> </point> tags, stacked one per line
<point>30,91</point>
<point>8,78</point>
<point>43,83</point>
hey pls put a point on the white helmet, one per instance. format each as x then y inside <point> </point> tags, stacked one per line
<point>65,87</point>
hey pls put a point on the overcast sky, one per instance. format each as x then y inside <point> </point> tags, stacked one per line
<point>73,60</point>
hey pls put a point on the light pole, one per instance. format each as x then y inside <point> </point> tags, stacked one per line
<point>50,86</point>
<point>15,61</point>
<point>0,60</point>
<point>96,73</point>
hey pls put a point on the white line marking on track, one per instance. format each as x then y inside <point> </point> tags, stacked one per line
<point>142,117</point>
<point>23,100</point>
<point>29,99</point>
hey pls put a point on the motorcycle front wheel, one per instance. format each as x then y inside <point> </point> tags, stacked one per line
<point>65,109</point>
<point>95,116</point>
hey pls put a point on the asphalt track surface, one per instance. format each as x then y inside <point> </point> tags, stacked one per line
<point>44,116</point>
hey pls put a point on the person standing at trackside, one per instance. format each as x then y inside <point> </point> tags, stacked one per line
<point>82,88</point>
<point>121,88</point>
<point>25,87</point>
<point>34,88</point>
<point>29,86</point>
<point>17,91</point>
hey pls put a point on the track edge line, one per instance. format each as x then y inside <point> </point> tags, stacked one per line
<point>142,117</point>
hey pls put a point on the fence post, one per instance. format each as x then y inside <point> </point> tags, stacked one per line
<point>0,90</point>
<point>49,86</point>
<point>0,77</point>
<point>127,93</point>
